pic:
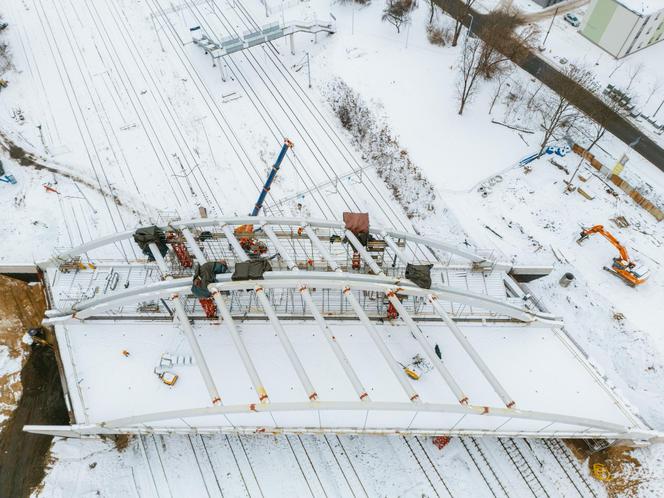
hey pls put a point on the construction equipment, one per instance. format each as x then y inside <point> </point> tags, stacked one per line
<point>266,188</point>
<point>6,178</point>
<point>622,266</point>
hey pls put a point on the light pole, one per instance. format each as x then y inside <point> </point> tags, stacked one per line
<point>470,27</point>
<point>550,26</point>
<point>660,106</point>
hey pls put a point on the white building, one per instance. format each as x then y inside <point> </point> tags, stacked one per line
<point>625,26</point>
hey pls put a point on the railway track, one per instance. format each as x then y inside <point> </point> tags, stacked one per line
<point>570,467</point>
<point>424,461</point>
<point>523,467</point>
<point>485,469</point>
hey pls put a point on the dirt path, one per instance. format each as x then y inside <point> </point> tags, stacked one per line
<point>23,456</point>
<point>21,307</point>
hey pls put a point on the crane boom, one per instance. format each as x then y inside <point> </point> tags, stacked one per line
<point>266,187</point>
<point>273,173</point>
<point>608,236</point>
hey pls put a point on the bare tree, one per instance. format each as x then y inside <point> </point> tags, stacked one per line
<point>464,15</point>
<point>5,58</point>
<point>505,40</point>
<point>498,90</point>
<point>617,66</point>
<point>502,43</point>
<point>397,12</point>
<point>597,121</point>
<point>438,35</point>
<point>634,72</point>
<point>555,110</point>
<point>654,88</point>
<point>469,71</point>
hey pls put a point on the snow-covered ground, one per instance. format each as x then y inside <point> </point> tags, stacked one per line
<point>114,93</point>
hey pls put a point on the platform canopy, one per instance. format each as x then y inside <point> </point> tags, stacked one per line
<point>334,339</point>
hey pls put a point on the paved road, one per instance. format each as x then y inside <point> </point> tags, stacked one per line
<point>555,9</point>
<point>554,79</point>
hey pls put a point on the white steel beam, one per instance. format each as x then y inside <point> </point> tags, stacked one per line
<point>313,237</point>
<point>405,316</point>
<point>382,347</point>
<point>336,225</point>
<point>279,247</point>
<point>393,245</point>
<point>187,329</point>
<point>320,321</point>
<point>459,335</point>
<point>80,431</point>
<point>239,345</point>
<point>373,333</point>
<point>286,343</point>
<point>230,323</point>
<point>357,245</point>
<point>377,406</point>
<point>235,244</point>
<point>324,280</point>
<point>474,355</point>
<point>419,336</point>
<point>193,246</point>
<point>274,320</point>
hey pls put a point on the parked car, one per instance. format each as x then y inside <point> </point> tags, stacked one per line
<point>572,19</point>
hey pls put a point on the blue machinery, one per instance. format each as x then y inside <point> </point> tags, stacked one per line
<point>266,188</point>
<point>268,183</point>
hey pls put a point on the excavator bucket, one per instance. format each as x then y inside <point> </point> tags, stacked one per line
<point>582,238</point>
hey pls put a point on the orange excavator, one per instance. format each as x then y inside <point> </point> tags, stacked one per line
<point>622,266</point>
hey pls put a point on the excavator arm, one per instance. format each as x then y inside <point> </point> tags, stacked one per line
<point>607,235</point>
<point>622,266</point>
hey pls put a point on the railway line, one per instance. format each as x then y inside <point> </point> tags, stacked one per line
<point>523,467</point>
<point>489,475</point>
<point>570,467</point>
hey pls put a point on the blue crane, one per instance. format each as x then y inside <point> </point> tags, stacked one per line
<point>273,173</point>
<point>266,187</point>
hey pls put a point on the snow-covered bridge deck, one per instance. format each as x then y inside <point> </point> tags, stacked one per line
<point>557,394</point>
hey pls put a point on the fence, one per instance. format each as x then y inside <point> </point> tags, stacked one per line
<point>620,183</point>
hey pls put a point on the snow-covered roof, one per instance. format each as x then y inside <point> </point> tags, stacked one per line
<point>644,7</point>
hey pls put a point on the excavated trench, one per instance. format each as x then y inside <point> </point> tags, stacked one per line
<point>24,457</point>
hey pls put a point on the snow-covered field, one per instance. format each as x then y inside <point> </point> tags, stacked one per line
<point>115,94</point>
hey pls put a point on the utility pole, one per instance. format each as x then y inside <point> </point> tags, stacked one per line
<point>352,20</point>
<point>308,70</point>
<point>550,26</point>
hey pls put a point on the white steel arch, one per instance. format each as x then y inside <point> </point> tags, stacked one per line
<point>293,223</point>
<point>467,413</point>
